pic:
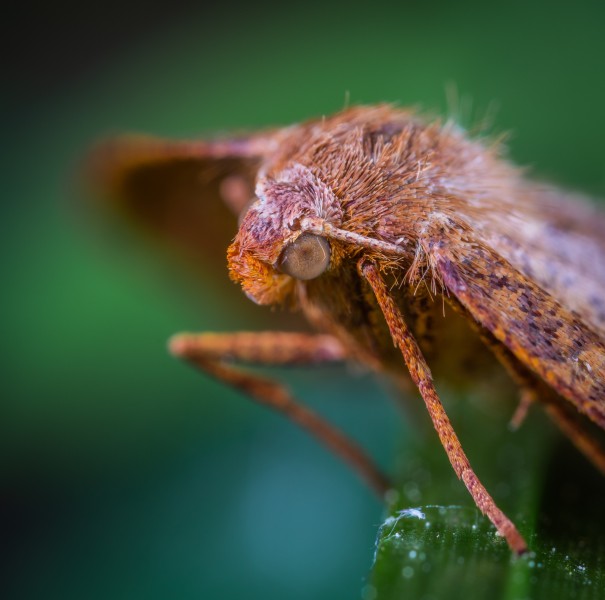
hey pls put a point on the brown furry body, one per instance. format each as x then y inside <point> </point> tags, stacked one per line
<point>437,247</point>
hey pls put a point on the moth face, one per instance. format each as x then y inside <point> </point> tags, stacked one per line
<point>270,252</point>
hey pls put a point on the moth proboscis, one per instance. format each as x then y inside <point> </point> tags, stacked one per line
<point>387,232</point>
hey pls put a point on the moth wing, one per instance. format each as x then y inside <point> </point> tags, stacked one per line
<point>551,340</point>
<point>186,193</point>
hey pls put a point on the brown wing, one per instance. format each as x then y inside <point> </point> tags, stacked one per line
<point>185,193</point>
<point>553,341</point>
<point>555,240</point>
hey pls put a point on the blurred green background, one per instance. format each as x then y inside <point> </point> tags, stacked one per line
<point>124,473</point>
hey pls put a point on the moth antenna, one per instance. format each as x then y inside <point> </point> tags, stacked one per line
<point>319,226</point>
<point>422,378</point>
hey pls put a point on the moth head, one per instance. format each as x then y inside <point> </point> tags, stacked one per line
<point>271,251</point>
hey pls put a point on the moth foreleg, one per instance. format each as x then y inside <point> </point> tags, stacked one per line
<point>421,376</point>
<point>212,352</point>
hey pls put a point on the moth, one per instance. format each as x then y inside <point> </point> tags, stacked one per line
<point>393,236</point>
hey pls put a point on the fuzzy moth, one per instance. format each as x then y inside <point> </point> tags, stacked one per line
<point>387,232</point>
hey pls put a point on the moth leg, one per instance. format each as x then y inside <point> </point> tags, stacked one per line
<point>529,387</point>
<point>577,433</point>
<point>421,375</point>
<point>210,351</point>
<point>533,391</point>
<point>527,398</point>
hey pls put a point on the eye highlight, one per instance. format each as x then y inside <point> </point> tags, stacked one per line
<point>307,257</point>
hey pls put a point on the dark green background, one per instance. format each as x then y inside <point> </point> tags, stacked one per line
<point>124,474</point>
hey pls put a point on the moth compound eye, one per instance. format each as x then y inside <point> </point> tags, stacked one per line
<point>307,257</point>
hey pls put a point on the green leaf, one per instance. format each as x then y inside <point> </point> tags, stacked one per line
<point>429,549</point>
